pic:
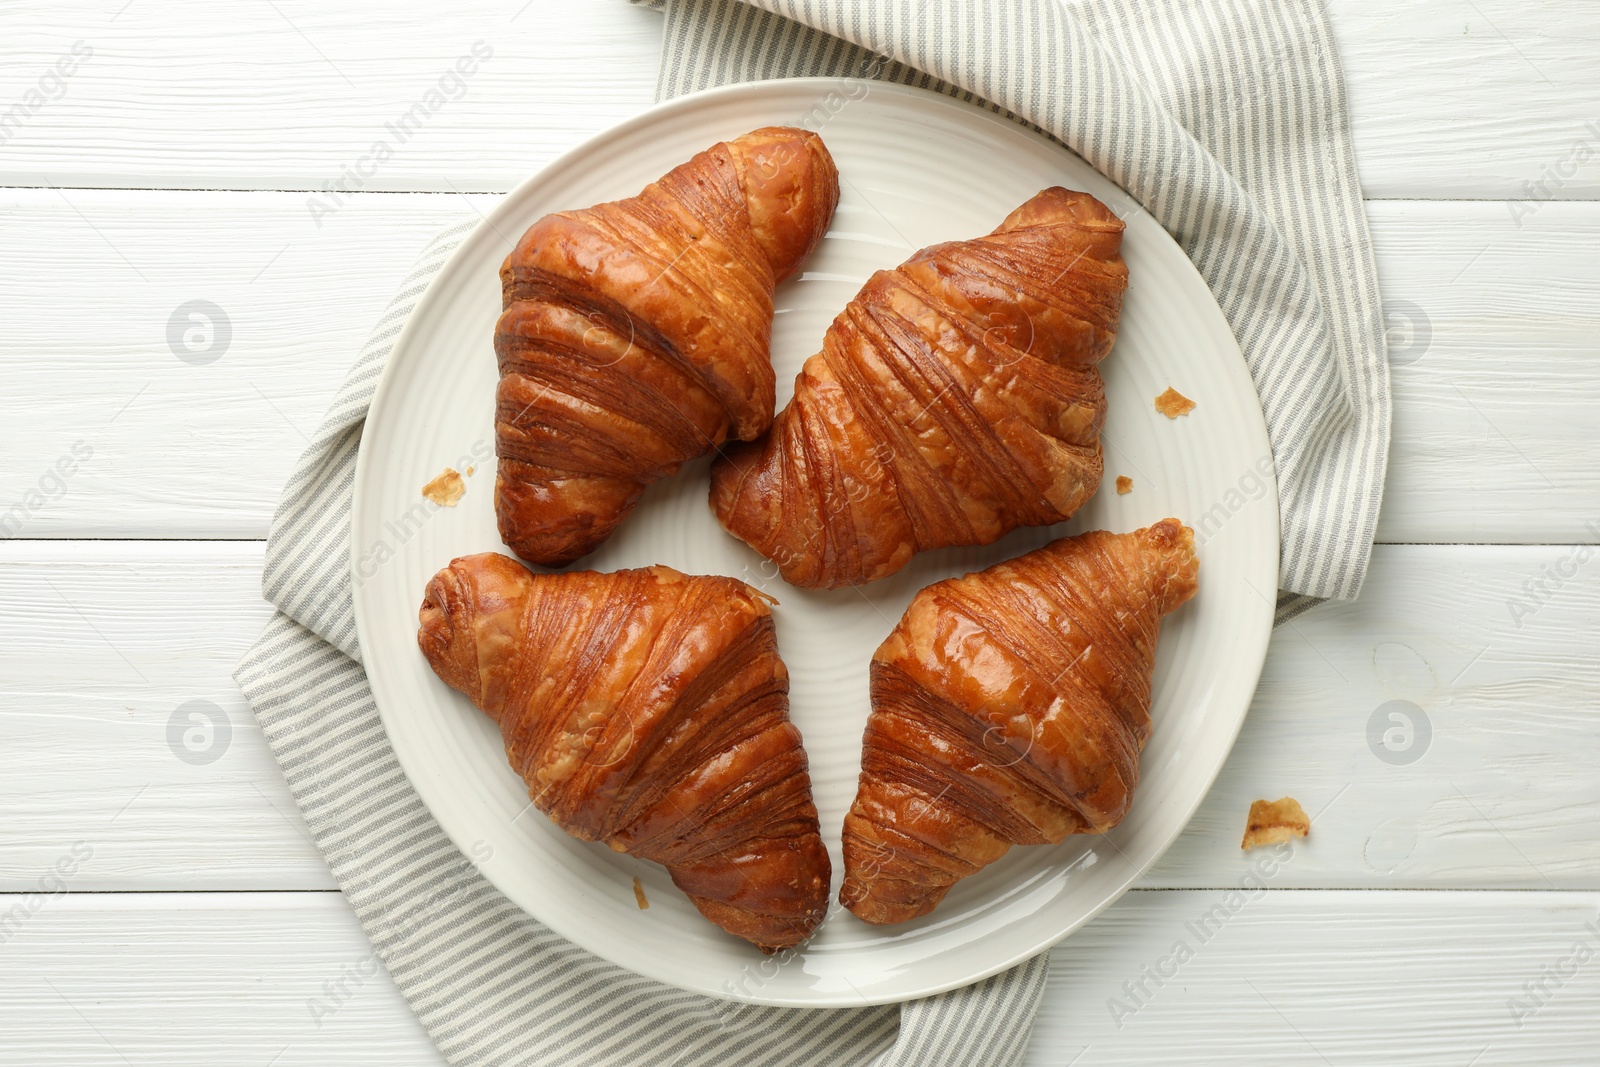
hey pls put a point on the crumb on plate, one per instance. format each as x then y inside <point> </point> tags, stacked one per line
<point>1173,403</point>
<point>471,471</point>
<point>447,489</point>
<point>638,895</point>
<point>1273,822</point>
<point>1124,485</point>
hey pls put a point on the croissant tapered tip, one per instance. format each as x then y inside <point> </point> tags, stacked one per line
<point>1169,532</point>
<point>437,633</point>
<point>456,604</point>
<point>1179,567</point>
<point>1056,205</point>
<point>871,902</point>
<point>558,521</point>
<point>791,187</point>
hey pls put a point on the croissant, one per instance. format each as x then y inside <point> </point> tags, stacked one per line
<point>1009,707</point>
<point>647,709</point>
<point>954,399</point>
<point>635,334</point>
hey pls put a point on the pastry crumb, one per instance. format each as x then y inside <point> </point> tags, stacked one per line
<point>447,489</point>
<point>1124,485</point>
<point>1173,403</point>
<point>638,895</point>
<point>1273,822</point>
<point>471,471</point>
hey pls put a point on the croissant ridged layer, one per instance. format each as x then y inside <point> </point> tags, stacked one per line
<point>1009,707</point>
<point>647,709</point>
<point>635,334</point>
<point>954,399</point>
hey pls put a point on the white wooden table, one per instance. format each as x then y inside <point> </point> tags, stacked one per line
<point>1438,913</point>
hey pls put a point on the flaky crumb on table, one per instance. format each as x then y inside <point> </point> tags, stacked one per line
<point>638,895</point>
<point>447,489</point>
<point>1173,403</point>
<point>1273,822</point>
<point>1124,485</point>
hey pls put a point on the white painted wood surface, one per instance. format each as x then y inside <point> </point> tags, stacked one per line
<point>1496,325</point>
<point>1449,98</point>
<point>1286,978</point>
<point>1503,794</point>
<point>1326,977</point>
<point>285,979</point>
<point>176,165</point>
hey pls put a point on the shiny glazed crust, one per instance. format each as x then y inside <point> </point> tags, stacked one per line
<point>1009,707</point>
<point>647,709</point>
<point>954,399</point>
<point>635,334</point>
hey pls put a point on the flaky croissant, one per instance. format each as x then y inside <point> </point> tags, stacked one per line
<point>647,709</point>
<point>954,399</point>
<point>1009,707</point>
<point>635,334</point>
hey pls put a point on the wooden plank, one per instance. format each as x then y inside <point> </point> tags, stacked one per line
<point>1449,98</point>
<point>106,645</point>
<point>1496,328</point>
<point>199,978</point>
<point>1326,977</point>
<point>102,644</point>
<point>1473,99</point>
<point>296,95</point>
<point>1438,729</point>
<point>1279,977</point>
<point>188,435</point>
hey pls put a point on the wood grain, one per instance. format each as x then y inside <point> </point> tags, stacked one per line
<point>1448,98</point>
<point>1494,327</point>
<point>1286,978</point>
<point>101,644</point>
<point>199,978</point>
<point>1500,700</point>
<point>294,94</point>
<point>180,448</point>
<point>1472,99</point>
<point>1496,330</point>
<point>1322,977</point>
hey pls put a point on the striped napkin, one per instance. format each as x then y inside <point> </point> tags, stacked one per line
<point>1225,119</point>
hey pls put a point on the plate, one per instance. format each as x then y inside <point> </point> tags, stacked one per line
<point>916,168</point>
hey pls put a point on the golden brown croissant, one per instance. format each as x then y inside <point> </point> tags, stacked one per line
<point>954,399</point>
<point>635,334</point>
<point>647,709</point>
<point>1009,707</point>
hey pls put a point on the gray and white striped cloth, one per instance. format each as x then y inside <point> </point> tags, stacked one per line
<point>1226,119</point>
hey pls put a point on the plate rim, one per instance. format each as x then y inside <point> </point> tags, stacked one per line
<point>1259,635</point>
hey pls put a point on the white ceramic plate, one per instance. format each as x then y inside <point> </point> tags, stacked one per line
<point>917,168</point>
